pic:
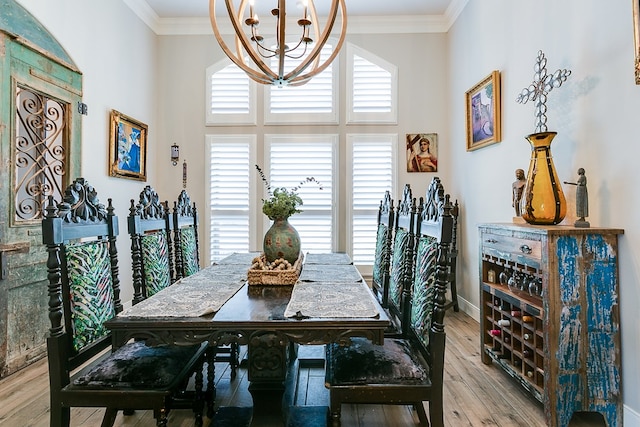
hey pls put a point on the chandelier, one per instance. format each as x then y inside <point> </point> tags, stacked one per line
<point>269,62</point>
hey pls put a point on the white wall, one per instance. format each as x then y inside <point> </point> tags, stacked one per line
<point>594,112</point>
<point>117,54</point>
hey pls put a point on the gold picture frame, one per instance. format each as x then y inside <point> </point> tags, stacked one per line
<point>127,147</point>
<point>636,38</point>
<point>483,112</point>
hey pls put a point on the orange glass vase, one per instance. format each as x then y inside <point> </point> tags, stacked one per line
<point>543,201</point>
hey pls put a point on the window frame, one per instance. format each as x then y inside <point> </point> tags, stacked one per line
<point>233,119</point>
<point>296,139</point>
<point>254,237</point>
<point>370,138</point>
<point>390,118</point>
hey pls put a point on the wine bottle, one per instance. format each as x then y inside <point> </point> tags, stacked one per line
<point>530,374</point>
<point>495,332</point>
<point>516,313</point>
<point>527,337</point>
<point>504,322</point>
<point>526,353</point>
<point>527,319</point>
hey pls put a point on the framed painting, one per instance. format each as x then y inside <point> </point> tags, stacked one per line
<point>483,112</point>
<point>636,38</point>
<point>127,147</point>
<point>422,152</point>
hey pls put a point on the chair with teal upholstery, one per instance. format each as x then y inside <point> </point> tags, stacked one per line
<point>84,291</point>
<point>402,252</point>
<point>185,231</point>
<point>187,262</point>
<point>149,225</point>
<point>382,256</point>
<point>407,370</point>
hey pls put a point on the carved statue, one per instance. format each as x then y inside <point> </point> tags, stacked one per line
<point>517,189</point>
<point>582,199</point>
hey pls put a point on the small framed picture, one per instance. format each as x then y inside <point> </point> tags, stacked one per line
<point>127,147</point>
<point>483,112</point>
<point>422,152</point>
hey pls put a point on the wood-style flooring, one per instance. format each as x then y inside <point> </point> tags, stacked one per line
<point>474,394</point>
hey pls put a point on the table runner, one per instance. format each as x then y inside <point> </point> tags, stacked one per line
<point>335,258</point>
<point>200,294</point>
<point>239,258</point>
<point>324,300</point>
<point>336,274</point>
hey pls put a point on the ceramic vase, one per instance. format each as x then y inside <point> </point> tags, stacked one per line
<point>281,241</point>
<point>543,201</point>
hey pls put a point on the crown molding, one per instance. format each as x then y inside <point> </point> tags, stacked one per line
<point>357,24</point>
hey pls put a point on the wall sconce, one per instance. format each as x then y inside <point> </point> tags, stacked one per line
<point>175,154</point>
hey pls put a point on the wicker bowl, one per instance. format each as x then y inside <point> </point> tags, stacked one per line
<point>257,276</point>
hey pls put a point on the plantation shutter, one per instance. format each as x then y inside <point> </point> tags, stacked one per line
<point>231,162</point>
<point>312,102</point>
<point>373,174</point>
<point>291,160</point>
<point>373,88</point>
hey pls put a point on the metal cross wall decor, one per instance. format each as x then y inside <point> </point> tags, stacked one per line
<point>537,91</point>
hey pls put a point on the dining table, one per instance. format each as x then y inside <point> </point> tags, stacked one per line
<point>329,303</point>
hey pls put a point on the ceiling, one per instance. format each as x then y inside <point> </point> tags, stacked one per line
<point>165,9</point>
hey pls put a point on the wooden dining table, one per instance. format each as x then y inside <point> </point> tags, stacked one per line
<point>330,303</point>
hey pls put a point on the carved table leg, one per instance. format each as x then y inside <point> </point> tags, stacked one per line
<point>269,357</point>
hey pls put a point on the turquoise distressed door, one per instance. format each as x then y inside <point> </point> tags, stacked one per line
<point>40,145</point>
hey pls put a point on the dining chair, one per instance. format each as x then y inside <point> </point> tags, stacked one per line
<point>382,256</point>
<point>149,225</point>
<point>185,229</point>
<point>453,303</point>
<point>187,262</point>
<point>84,291</point>
<point>408,370</point>
<point>402,256</point>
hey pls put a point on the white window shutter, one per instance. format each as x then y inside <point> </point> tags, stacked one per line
<point>292,159</point>
<point>372,87</point>
<point>231,95</point>
<point>231,162</point>
<point>373,173</point>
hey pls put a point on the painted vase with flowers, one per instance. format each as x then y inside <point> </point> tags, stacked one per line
<point>282,239</point>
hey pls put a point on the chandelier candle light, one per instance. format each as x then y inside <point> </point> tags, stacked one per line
<point>304,53</point>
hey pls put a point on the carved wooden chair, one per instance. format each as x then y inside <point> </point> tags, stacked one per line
<point>407,370</point>
<point>382,258</point>
<point>455,212</point>
<point>401,268</point>
<point>149,225</point>
<point>84,292</point>
<point>187,262</point>
<point>185,229</point>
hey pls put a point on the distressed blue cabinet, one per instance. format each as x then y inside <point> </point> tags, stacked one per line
<point>550,315</point>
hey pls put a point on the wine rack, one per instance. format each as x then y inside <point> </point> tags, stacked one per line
<point>544,319</point>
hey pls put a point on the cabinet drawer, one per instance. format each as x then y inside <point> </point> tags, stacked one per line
<point>511,248</point>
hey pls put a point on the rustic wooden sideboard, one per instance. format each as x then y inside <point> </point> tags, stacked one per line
<point>550,315</point>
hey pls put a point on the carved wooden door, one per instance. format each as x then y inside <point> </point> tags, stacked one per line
<point>40,152</point>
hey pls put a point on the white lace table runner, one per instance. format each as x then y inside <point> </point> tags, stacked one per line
<point>322,300</point>
<point>203,293</point>
<point>328,259</point>
<point>336,274</point>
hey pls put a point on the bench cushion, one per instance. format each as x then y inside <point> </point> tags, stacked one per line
<point>365,363</point>
<point>138,366</point>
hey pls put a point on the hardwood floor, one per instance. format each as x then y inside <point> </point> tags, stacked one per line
<point>474,395</point>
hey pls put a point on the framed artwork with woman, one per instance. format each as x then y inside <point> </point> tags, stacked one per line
<point>422,152</point>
